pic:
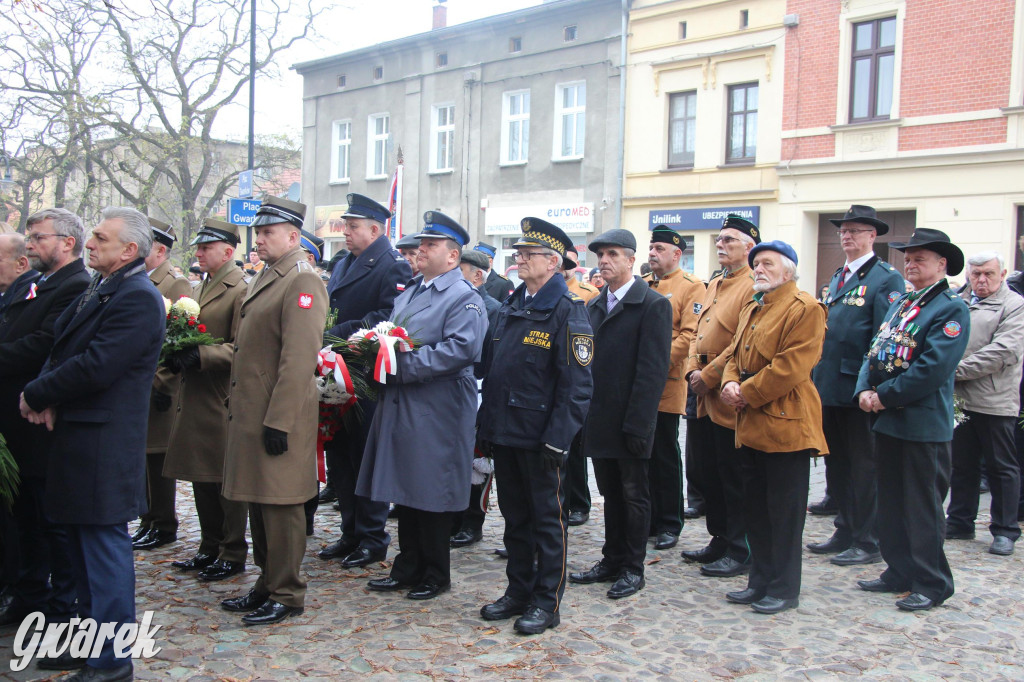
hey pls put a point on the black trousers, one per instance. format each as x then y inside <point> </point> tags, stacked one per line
<point>577,484</point>
<point>532,501</point>
<point>1018,442</point>
<point>362,520</point>
<point>913,479</point>
<point>694,497</point>
<point>222,522</point>
<point>988,437</point>
<point>850,474</point>
<point>665,477</point>
<point>423,552</point>
<point>160,494</point>
<point>721,476</point>
<point>627,511</point>
<point>775,508</point>
<point>472,517</point>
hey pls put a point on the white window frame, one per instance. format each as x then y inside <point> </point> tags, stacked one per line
<point>437,132</point>
<point>341,148</point>
<point>507,121</point>
<point>561,113</point>
<point>372,140</point>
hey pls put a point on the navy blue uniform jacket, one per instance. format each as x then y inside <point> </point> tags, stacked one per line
<point>363,289</point>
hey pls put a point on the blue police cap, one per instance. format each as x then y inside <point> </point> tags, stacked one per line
<point>313,244</point>
<point>439,226</point>
<point>776,245</point>
<point>484,247</point>
<point>360,206</point>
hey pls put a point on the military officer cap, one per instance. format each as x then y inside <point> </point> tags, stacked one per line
<point>214,230</point>
<point>776,245</point>
<point>937,241</point>
<point>439,226</point>
<point>476,258</point>
<point>571,259</point>
<point>277,210</point>
<point>537,232</point>
<point>862,214</point>
<point>195,270</point>
<point>743,225</point>
<point>486,248</point>
<point>617,237</point>
<point>360,206</point>
<point>665,235</point>
<point>163,233</point>
<point>408,242</point>
<point>312,244</point>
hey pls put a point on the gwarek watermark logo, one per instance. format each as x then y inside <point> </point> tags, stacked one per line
<point>82,638</point>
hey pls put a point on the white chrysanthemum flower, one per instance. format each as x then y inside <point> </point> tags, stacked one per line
<point>384,328</point>
<point>167,305</point>
<point>187,305</point>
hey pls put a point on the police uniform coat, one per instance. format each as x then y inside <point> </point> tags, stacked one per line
<point>363,288</point>
<point>686,294</point>
<point>632,350</point>
<point>498,286</point>
<point>918,395</point>
<point>173,286</point>
<point>716,327</point>
<point>280,332</point>
<point>779,341</point>
<point>195,451</point>
<point>855,311</point>
<point>26,337</point>
<point>98,377</point>
<point>419,450</point>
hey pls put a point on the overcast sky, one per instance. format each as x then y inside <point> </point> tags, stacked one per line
<point>348,25</point>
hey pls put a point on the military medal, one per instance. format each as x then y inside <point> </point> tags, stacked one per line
<point>898,362</point>
<point>860,302</point>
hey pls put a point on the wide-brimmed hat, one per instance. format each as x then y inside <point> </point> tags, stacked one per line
<point>862,214</point>
<point>937,241</point>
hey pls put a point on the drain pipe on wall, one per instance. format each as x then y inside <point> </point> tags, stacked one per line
<point>622,113</point>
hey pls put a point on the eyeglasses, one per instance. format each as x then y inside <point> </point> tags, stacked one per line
<point>527,255</point>
<point>36,236</point>
<point>725,240</point>
<point>843,231</point>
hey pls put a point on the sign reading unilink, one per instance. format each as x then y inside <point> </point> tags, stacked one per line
<point>688,219</point>
<point>242,211</point>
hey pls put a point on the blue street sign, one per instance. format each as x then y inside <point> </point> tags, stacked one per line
<point>245,184</point>
<point>689,219</point>
<point>242,211</point>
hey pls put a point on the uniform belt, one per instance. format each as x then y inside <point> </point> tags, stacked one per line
<point>705,358</point>
<point>747,375</point>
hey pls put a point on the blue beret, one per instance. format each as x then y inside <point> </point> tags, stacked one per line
<point>776,245</point>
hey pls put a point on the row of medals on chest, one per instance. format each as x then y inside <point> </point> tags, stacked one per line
<point>852,297</point>
<point>895,347</point>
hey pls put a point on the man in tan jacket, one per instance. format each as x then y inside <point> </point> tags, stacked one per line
<point>195,451</point>
<point>767,382</point>
<point>711,436</point>
<point>159,525</point>
<point>685,292</point>
<point>272,411</point>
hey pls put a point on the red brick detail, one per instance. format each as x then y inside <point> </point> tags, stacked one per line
<point>812,53</point>
<point>814,147</point>
<point>964,134</point>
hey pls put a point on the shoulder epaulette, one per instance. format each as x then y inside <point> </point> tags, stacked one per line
<point>303,266</point>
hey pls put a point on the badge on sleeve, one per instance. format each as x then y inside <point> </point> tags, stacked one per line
<point>697,307</point>
<point>893,295</point>
<point>582,348</point>
<point>951,329</point>
<point>305,300</point>
<point>474,306</point>
<point>400,287</point>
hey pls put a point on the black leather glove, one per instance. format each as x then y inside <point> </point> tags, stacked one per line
<point>188,358</point>
<point>161,402</point>
<point>636,445</point>
<point>553,457</point>
<point>275,442</point>
<point>485,447</point>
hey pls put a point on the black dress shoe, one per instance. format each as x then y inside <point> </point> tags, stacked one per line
<point>12,614</point>
<point>309,527</point>
<point>506,607</point>
<point>916,601</point>
<point>535,621</point>
<point>428,590</point>
<point>771,605</point>
<point>834,545</point>
<point>361,556</point>
<point>326,495</point>
<point>1001,545</point>
<point>666,541</point>
<point>502,552</point>
<point>628,584</point>
<point>856,556</point>
<point>271,612</point>
<point>196,563</point>
<point>392,512</point>
<point>726,567</point>
<point>155,538</point>
<point>878,585</point>
<point>63,662</point>
<point>706,555</point>
<point>140,533</point>
<point>953,533</point>
<point>387,584</point>
<point>747,596</point>
<point>598,573</point>
<point>338,548</point>
<point>827,507</point>
<point>252,600</point>
<point>221,569</point>
<point>693,512</point>
<point>122,673</point>
<point>578,518</point>
<point>466,537</point>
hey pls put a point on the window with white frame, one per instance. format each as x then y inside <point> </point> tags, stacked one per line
<point>341,143</point>
<point>442,138</point>
<point>570,120</point>
<point>515,126</point>
<point>378,132</point>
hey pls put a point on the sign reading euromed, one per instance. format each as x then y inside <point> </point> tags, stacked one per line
<point>572,218</point>
<point>688,219</point>
<point>242,211</point>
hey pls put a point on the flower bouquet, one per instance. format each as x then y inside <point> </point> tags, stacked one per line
<point>184,330</point>
<point>379,346</point>
<point>9,478</point>
<point>337,388</point>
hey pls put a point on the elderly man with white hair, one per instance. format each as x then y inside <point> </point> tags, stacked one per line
<point>988,378</point>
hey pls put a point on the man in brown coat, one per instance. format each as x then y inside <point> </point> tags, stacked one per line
<point>767,382</point>
<point>159,525</point>
<point>195,451</point>
<point>272,411</point>
<point>685,292</point>
<point>711,436</point>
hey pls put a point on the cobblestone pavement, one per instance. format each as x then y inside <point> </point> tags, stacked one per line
<point>678,628</point>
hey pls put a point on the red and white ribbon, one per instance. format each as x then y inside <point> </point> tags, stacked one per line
<point>387,360</point>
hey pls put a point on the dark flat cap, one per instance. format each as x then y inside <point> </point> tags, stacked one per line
<point>477,258</point>
<point>618,237</point>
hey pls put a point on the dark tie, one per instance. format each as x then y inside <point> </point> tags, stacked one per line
<point>842,276</point>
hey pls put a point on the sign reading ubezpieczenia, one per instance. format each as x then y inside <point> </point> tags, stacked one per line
<point>82,638</point>
<point>687,219</point>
